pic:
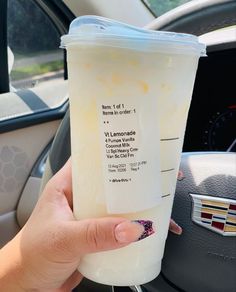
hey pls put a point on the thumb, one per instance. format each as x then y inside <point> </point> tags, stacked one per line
<point>94,235</point>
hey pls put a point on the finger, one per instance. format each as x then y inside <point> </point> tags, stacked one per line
<point>72,281</point>
<point>62,182</point>
<point>175,228</point>
<point>93,235</point>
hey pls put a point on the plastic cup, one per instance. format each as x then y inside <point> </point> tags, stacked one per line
<point>130,91</point>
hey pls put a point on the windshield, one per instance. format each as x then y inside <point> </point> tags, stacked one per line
<point>159,7</point>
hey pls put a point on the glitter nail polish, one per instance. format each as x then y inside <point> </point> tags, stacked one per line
<point>148,228</point>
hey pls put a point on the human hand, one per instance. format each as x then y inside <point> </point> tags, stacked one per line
<point>47,251</point>
<point>45,254</point>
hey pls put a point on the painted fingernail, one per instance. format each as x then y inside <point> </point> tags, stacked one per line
<point>178,230</point>
<point>175,228</point>
<point>128,231</point>
<point>148,228</point>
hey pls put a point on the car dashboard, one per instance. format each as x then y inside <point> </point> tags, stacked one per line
<point>211,124</point>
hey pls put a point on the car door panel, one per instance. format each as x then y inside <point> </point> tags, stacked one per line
<point>24,133</point>
<point>19,150</point>
<point>28,200</point>
<point>32,106</point>
<point>31,112</point>
<point>28,122</point>
<point>8,227</point>
<point>29,119</point>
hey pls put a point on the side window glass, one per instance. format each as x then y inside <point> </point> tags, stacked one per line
<point>34,57</point>
<point>160,7</point>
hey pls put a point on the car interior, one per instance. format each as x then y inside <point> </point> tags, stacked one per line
<point>35,130</point>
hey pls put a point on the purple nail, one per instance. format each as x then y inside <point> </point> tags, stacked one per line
<point>148,229</point>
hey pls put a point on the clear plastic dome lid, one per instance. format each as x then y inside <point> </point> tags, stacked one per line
<point>95,30</point>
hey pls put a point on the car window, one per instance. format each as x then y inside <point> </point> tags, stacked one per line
<point>159,7</point>
<point>34,56</point>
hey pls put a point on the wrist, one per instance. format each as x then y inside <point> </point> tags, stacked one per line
<point>11,269</point>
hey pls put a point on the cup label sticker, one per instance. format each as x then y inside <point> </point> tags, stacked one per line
<point>131,166</point>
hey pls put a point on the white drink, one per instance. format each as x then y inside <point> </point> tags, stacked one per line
<point>128,111</point>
